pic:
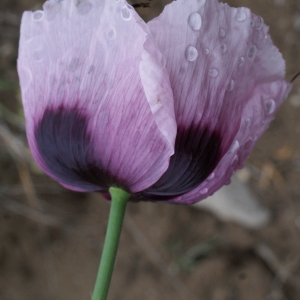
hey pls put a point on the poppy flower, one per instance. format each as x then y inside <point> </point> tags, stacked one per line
<point>166,110</point>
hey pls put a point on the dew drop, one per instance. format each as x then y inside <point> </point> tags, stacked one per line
<point>84,6</point>
<point>191,53</point>
<point>213,73</point>
<point>241,16</point>
<point>241,60</point>
<point>270,106</point>
<point>235,161</point>
<point>111,33</point>
<point>51,9</point>
<point>211,176</point>
<point>223,48</point>
<point>125,13</point>
<point>252,51</point>
<point>91,69</point>
<point>27,38</point>
<point>37,56</point>
<point>74,64</point>
<point>247,122</point>
<point>206,51</point>
<point>203,191</point>
<point>154,35</point>
<point>259,35</point>
<point>234,147</point>
<point>257,22</point>
<point>230,85</point>
<point>182,70</point>
<point>195,21</point>
<point>222,32</point>
<point>38,15</point>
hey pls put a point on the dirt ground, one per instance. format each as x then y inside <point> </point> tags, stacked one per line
<point>51,238</point>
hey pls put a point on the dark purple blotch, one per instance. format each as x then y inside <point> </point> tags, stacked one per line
<point>66,148</point>
<point>197,153</point>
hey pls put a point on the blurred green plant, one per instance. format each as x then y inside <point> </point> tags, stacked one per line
<point>16,119</point>
<point>7,85</point>
<point>186,260</point>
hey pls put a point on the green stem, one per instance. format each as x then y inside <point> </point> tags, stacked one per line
<point>118,204</point>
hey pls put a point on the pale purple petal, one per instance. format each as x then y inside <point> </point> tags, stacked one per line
<point>227,79</point>
<point>93,120</point>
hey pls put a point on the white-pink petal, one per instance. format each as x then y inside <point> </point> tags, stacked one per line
<point>97,57</point>
<point>225,72</point>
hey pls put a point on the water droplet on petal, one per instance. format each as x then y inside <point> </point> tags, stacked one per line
<point>206,51</point>
<point>203,191</point>
<point>125,13</point>
<point>51,9</point>
<point>235,161</point>
<point>247,122</point>
<point>91,69</point>
<point>258,38</point>
<point>234,147</point>
<point>111,33</point>
<point>213,73</point>
<point>222,32</point>
<point>74,64</point>
<point>241,16</point>
<point>83,6</point>
<point>211,176</point>
<point>223,48</point>
<point>27,38</point>
<point>38,15</point>
<point>257,22</point>
<point>182,70</point>
<point>37,55</point>
<point>241,61</point>
<point>162,61</point>
<point>230,85</point>
<point>252,51</point>
<point>154,35</point>
<point>195,21</point>
<point>191,53</point>
<point>270,106</point>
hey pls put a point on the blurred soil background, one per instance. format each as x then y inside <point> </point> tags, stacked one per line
<point>51,238</point>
